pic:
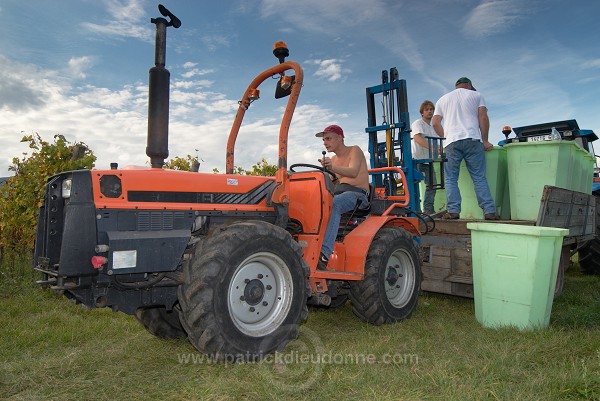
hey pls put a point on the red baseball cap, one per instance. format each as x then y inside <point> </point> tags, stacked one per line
<point>336,129</point>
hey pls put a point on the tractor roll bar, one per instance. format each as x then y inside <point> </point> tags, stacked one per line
<point>250,95</point>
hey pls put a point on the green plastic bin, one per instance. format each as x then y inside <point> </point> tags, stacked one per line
<point>531,165</point>
<point>514,273</point>
<point>495,164</point>
<point>440,201</point>
<point>587,163</point>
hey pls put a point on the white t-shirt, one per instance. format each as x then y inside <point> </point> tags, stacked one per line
<point>421,127</point>
<point>459,110</point>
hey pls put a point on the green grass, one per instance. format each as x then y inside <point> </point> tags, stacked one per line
<point>53,349</point>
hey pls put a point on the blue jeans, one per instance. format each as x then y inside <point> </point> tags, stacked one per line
<point>473,153</point>
<point>342,203</point>
<point>429,198</point>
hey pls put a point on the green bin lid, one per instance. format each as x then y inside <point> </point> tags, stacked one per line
<point>537,231</point>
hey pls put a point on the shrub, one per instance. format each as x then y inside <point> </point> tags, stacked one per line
<point>22,194</point>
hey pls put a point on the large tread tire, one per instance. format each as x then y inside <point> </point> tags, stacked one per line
<point>390,289</point>
<point>589,255</point>
<point>560,280</point>
<point>563,266</point>
<point>160,322</point>
<point>244,292</point>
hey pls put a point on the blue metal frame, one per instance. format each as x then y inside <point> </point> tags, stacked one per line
<point>399,123</point>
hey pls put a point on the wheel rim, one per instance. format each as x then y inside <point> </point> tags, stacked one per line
<point>399,279</point>
<point>260,294</point>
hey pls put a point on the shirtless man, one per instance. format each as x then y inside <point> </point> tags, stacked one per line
<point>350,168</point>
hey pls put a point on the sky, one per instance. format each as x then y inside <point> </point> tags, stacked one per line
<point>80,68</point>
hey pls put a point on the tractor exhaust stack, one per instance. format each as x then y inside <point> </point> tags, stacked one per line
<point>157,148</point>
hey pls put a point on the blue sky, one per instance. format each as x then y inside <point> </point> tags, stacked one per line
<point>80,68</point>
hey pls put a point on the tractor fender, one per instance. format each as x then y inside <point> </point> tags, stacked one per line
<point>358,241</point>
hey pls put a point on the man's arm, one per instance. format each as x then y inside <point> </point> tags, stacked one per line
<point>354,163</point>
<point>436,123</point>
<point>484,123</point>
<point>484,127</point>
<point>420,140</point>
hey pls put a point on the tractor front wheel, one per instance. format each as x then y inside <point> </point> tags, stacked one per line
<point>392,283</point>
<point>244,292</point>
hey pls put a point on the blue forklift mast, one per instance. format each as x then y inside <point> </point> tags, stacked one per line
<point>395,126</point>
<point>395,149</point>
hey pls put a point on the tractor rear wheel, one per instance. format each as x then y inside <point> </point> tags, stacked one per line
<point>244,292</point>
<point>160,322</point>
<point>392,283</point>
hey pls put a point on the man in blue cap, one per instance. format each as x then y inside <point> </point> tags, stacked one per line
<point>466,128</point>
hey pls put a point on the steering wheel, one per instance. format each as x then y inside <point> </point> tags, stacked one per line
<point>315,167</point>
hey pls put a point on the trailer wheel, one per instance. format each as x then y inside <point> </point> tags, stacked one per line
<point>563,266</point>
<point>391,286</point>
<point>244,295</point>
<point>160,322</point>
<point>589,255</point>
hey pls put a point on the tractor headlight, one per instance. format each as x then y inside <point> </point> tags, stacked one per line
<point>66,188</point>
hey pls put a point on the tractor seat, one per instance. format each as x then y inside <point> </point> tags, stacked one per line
<point>358,212</point>
<point>349,220</point>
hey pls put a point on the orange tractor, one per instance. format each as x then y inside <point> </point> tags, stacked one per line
<point>230,261</point>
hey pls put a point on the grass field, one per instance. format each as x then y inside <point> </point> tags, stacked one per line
<point>53,349</point>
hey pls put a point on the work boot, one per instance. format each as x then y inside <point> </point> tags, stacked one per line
<point>450,216</point>
<point>491,216</point>
<point>322,264</point>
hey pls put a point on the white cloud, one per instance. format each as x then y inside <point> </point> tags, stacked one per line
<point>196,71</point>
<point>18,88</point>
<point>214,42</point>
<point>79,65</point>
<point>330,69</point>
<point>113,122</point>
<point>126,21</point>
<point>192,84</point>
<point>595,63</point>
<point>115,100</point>
<point>321,16</point>
<point>493,17</point>
<point>345,22</point>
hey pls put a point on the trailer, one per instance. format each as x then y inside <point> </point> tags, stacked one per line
<point>446,250</point>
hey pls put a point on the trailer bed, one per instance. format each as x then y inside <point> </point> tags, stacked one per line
<point>446,250</point>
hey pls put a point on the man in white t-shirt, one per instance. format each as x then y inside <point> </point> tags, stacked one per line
<point>466,128</point>
<point>420,130</point>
